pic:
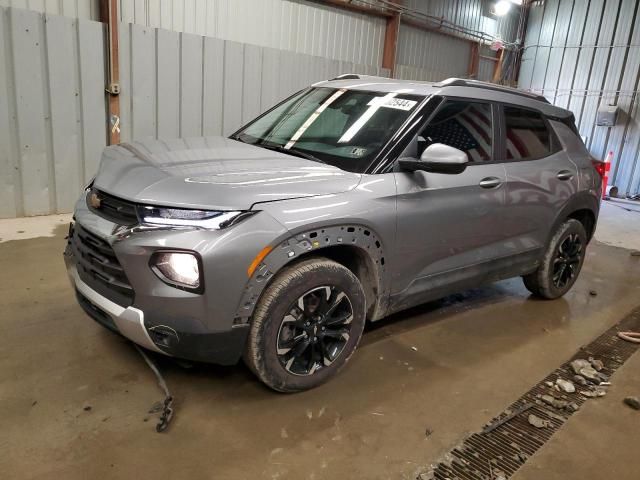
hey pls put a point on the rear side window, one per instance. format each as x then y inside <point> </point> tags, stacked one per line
<point>464,125</point>
<point>527,135</point>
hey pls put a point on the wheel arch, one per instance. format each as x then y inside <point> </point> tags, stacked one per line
<point>356,247</point>
<point>587,218</point>
<point>583,207</point>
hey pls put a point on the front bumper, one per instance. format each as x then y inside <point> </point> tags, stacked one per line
<point>127,321</point>
<point>224,348</point>
<point>208,326</point>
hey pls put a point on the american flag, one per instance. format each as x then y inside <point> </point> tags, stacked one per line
<point>468,130</point>
<point>524,143</point>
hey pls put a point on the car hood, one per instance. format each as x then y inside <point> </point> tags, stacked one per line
<point>214,173</point>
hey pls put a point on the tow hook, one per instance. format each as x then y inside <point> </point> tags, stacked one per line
<point>167,406</point>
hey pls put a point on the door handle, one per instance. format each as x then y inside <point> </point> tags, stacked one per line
<point>490,182</point>
<point>564,175</point>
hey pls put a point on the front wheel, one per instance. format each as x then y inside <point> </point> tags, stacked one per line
<point>306,325</point>
<point>561,263</point>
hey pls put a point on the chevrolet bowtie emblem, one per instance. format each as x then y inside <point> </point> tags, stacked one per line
<point>94,200</point>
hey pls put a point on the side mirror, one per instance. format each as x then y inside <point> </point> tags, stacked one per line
<point>437,158</point>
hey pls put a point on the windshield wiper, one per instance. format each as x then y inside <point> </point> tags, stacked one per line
<point>290,151</point>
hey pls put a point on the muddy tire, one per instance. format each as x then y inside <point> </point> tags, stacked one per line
<point>561,263</point>
<point>306,326</point>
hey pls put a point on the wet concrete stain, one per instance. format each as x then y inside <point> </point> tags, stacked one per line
<point>474,353</point>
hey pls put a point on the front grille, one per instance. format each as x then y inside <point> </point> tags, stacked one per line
<point>114,209</point>
<point>99,267</point>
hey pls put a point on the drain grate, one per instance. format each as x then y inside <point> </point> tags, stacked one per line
<point>509,440</point>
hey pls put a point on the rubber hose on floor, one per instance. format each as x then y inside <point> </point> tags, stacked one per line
<point>633,337</point>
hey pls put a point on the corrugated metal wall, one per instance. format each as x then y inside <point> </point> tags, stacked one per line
<point>424,55</point>
<point>430,56</point>
<point>52,100</point>
<point>84,9</point>
<point>470,14</point>
<point>181,84</point>
<point>486,67</point>
<point>295,25</point>
<point>52,76</point>
<point>52,110</point>
<point>301,27</point>
<point>311,28</point>
<point>584,54</point>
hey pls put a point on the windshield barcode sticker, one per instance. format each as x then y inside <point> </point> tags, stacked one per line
<point>397,103</point>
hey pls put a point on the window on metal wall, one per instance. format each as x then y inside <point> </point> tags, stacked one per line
<point>464,125</point>
<point>527,134</point>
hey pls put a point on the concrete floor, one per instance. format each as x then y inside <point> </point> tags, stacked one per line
<point>476,353</point>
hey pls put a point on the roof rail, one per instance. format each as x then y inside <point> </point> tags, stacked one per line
<point>346,76</point>
<point>461,82</point>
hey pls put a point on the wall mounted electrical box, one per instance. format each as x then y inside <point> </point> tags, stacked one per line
<point>607,115</point>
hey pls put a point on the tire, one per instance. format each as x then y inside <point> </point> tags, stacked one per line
<point>276,350</point>
<point>566,247</point>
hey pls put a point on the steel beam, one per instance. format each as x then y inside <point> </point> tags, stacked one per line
<point>391,34</point>
<point>347,5</point>
<point>109,15</point>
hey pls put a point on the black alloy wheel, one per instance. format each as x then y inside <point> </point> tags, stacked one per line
<point>306,325</point>
<point>315,330</point>
<point>567,260</point>
<point>560,265</point>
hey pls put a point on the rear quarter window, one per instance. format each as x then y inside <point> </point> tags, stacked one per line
<point>528,136</point>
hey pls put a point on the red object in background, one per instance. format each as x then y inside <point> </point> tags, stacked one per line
<point>599,166</point>
<point>605,174</point>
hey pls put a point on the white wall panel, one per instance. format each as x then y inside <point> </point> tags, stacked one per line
<point>84,9</point>
<point>186,84</point>
<point>252,82</point>
<point>191,85</point>
<point>213,89</point>
<point>233,89</point>
<point>10,191</point>
<point>31,110</point>
<point>299,26</point>
<point>168,84</point>
<point>143,73</point>
<point>303,27</point>
<point>431,56</point>
<point>52,110</point>
<point>65,118</point>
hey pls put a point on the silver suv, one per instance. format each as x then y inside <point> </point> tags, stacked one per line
<point>351,200</point>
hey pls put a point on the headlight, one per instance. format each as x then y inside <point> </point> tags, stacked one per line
<point>206,219</point>
<point>178,269</point>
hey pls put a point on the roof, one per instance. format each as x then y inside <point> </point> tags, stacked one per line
<point>452,87</point>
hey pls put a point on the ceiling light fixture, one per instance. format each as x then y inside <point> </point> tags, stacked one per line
<point>501,8</point>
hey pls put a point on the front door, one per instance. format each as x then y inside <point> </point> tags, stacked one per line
<point>449,226</point>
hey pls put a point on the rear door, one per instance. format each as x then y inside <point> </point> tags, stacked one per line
<point>540,179</point>
<point>449,225</point>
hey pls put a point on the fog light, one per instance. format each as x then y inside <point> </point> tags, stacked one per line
<point>179,269</point>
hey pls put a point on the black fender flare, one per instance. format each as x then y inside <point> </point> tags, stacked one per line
<point>309,242</point>
<point>580,201</point>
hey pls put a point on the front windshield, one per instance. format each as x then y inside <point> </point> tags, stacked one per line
<point>345,128</point>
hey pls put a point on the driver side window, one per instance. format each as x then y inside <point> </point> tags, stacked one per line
<point>467,126</point>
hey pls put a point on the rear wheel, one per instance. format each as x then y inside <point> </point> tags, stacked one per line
<point>306,325</point>
<point>561,263</point>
